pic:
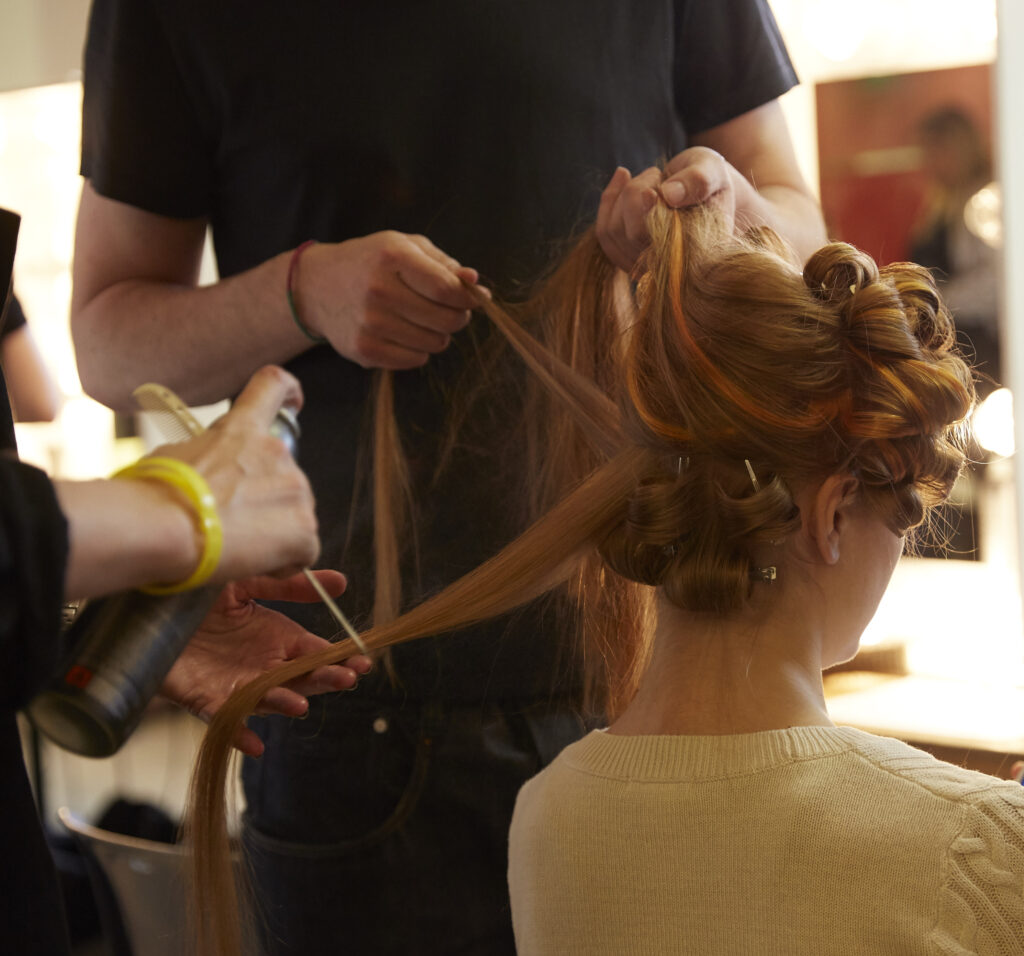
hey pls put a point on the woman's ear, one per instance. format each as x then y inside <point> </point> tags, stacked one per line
<point>829,515</point>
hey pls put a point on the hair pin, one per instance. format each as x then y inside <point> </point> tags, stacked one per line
<point>766,574</point>
<point>753,477</point>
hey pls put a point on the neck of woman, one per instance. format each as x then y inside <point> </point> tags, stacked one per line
<point>757,670</point>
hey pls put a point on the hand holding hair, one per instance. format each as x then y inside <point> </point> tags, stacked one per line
<point>701,176</point>
<point>696,176</point>
<point>744,169</point>
<point>241,639</point>
<point>387,300</point>
<point>621,225</point>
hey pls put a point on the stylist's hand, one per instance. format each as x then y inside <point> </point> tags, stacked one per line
<point>388,300</point>
<point>696,176</point>
<point>240,640</point>
<point>264,500</point>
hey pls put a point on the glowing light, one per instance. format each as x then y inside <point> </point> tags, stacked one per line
<point>81,421</point>
<point>993,423</point>
<point>830,28</point>
<point>934,632</point>
<point>55,123</point>
<point>983,215</point>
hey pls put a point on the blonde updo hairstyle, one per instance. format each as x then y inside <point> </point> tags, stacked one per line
<point>736,356</point>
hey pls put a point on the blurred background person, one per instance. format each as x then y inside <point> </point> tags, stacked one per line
<point>31,390</point>
<point>957,161</point>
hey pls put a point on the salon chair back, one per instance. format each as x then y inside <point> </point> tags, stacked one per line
<point>139,887</point>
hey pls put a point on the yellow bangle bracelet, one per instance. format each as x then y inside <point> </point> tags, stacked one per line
<point>193,486</point>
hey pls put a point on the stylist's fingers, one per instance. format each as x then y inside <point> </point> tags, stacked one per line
<point>606,207</point>
<point>417,298</point>
<point>441,280</point>
<point>270,388</point>
<point>464,274</point>
<point>621,225</point>
<point>700,176</point>
<point>248,743</point>
<point>264,501</point>
<point>263,518</point>
<point>291,699</point>
<point>386,300</point>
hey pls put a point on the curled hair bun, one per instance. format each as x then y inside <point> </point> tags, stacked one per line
<point>837,271</point>
<point>841,275</point>
<point>691,533</point>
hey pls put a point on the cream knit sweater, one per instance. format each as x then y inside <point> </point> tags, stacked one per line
<point>813,840</point>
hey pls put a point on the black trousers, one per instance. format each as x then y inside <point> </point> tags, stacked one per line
<point>379,828</point>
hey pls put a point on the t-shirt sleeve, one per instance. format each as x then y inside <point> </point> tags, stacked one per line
<point>730,59</point>
<point>143,141</point>
<point>13,318</point>
<point>33,556</point>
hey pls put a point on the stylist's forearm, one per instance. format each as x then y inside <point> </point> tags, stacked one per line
<point>137,315</point>
<point>202,343</point>
<point>124,534</point>
<point>795,215</point>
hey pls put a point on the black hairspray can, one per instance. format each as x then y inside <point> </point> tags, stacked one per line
<point>120,649</point>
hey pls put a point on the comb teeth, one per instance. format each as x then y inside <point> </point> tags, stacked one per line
<point>172,416</point>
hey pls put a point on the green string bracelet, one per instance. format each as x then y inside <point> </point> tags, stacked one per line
<point>290,295</point>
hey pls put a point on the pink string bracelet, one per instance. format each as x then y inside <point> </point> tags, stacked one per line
<point>319,339</point>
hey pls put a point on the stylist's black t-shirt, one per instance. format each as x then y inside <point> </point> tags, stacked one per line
<point>491,128</point>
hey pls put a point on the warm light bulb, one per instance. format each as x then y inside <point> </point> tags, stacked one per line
<point>992,423</point>
<point>830,28</point>
<point>983,215</point>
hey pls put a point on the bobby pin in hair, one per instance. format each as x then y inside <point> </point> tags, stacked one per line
<point>753,477</point>
<point>765,574</point>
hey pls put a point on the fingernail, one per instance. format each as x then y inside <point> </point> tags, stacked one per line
<point>673,192</point>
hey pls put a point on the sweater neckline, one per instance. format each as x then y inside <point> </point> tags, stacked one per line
<point>685,757</point>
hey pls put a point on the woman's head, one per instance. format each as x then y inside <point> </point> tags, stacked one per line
<point>747,379</point>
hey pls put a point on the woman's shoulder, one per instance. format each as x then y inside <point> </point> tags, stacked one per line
<point>944,780</point>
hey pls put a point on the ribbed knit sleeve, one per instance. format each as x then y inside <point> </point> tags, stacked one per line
<point>981,902</point>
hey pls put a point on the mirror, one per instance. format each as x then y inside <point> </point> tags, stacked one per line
<point>906,173</point>
<point>870,83</point>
